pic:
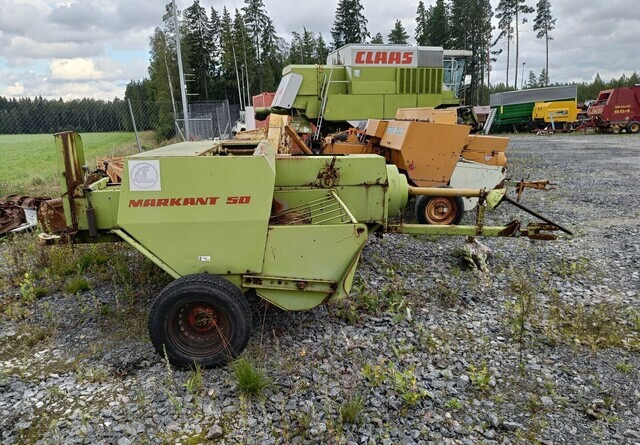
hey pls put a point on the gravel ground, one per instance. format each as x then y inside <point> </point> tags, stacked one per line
<point>542,348</point>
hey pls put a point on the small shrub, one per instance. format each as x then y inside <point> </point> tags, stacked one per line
<point>76,285</point>
<point>251,379</point>
<point>454,404</point>
<point>350,410</point>
<point>479,377</point>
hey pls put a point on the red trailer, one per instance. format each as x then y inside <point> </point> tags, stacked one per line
<point>616,110</point>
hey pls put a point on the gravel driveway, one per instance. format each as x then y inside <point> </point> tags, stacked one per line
<point>542,348</point>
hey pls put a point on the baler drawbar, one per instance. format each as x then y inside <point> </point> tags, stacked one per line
<point>289,228</point>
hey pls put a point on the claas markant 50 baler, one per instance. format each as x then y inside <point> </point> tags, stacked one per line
<point>289,228</point>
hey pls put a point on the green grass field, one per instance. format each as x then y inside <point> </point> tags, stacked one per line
<point>28,161</point>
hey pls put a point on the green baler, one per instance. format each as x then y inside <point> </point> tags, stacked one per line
<point>289,228</point>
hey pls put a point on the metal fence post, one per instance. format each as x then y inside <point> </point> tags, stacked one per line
<point>135,129</point>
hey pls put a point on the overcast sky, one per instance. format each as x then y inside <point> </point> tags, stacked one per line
<point>92,48</point>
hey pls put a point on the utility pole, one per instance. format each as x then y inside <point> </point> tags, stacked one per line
<point>183,85</point>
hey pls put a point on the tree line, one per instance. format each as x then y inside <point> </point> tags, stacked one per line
<point>236,54</point>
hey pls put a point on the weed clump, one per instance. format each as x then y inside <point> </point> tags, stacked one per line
<point>251,379</point>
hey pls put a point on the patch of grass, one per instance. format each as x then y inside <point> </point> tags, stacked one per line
<point>624,367</point>
<point>76,285</point>
<point>567,268</point>
<point>193,384</point>
<point>251,379</point>
<point>350,409</point>
<point>29,160</point>
<point>445,296</point>
<point>403,383</point>
<point>454,404</point>
<point>91,374</point>
<point>479,376</point>
<point>601,325</point>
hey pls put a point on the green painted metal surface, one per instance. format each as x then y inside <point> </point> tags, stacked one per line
<point>292,228</point>
<point>372,93</point>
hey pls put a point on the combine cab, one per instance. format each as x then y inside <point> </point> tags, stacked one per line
<point>616,110</point>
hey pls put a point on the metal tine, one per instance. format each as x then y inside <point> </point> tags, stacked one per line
<point>325,212</point>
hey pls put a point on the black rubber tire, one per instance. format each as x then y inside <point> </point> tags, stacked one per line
<point>423,201</point>
<point>633,127</point>
<point>213,300</point>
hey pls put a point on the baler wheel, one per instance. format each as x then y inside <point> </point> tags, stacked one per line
<point>439,210</point>
<point>633,127</point>
<point>200,318</point>
<point>615,129</point>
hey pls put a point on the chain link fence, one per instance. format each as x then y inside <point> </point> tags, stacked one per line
<point>107,128</point>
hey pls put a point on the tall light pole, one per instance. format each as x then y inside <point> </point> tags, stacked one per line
<point>522,82</point>
<point>183,85</point>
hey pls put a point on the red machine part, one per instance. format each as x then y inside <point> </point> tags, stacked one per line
<point>616,110</point>
<point>263,100</point>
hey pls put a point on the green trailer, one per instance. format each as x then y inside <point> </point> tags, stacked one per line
<point>290,229</point>
<point>513,110</point>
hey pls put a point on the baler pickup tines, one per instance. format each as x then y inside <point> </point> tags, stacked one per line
<point>325,210</point>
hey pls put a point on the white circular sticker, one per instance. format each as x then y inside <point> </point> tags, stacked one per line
<point>144,175</point>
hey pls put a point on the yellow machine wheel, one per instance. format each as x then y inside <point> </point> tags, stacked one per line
<point>633,127</point>
<point>439,210</point>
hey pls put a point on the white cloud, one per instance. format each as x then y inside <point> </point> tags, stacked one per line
<point>68,47</point>
<point>74,69</point>
<point>17,89</point>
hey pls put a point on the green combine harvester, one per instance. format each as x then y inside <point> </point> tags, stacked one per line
<point>361,82</point>
<point>291,229</point>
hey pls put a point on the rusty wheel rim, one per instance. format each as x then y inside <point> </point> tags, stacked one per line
<point>198,329</point>
<point>634,128</point>
<point>440,210</point>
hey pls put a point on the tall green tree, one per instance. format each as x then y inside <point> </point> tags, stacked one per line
<point>422,18</point>
<point>533,80</point>
<point>322,51</point>
<point>544,78</point>
<point>377,39</point>
<point>521,9</point>
<point>505,16</point>
<point>438,24</point>
<point>200,40</point>
<point>544,23</point>
<point>350,25</point>
<point>398,34</point>
<point>470,29</point>
<point>256,23</point>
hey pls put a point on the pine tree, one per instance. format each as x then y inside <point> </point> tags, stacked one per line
<point>199,40</point>
<point>533,80</point>
<point>350,25</point>
<point>398,34</point>
<point>322,51</point>
<point>256,23</point>
<point>505,16</point>
<point>520,9</point>
<point>470,29</point>
<point>246,57</point>
<point>544,23</point>
<point>378,39</point>
<point>438,24</point>
<point>543,79</point>
<point>228,58</point>
<point>422,17</point>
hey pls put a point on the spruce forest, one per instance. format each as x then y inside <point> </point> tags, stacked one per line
<point>234,54</point>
